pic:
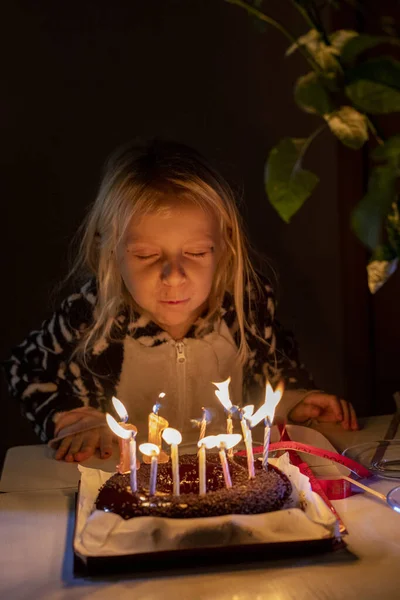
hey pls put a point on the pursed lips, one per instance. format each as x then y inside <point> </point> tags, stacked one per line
<point>174,301</point>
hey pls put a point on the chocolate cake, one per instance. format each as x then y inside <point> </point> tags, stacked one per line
<point>267,492</point>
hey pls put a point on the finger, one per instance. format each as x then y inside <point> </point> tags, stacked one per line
<point>346,414</point>
<point>89,444</point>
<point>106,438</point>
<point>76,445</point>
<point>63,447</point>
<point>329,405</point>
<point>353,417</point>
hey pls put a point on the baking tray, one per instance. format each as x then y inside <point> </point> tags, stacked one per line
<point>195,558</point>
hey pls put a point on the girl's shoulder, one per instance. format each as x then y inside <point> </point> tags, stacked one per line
<point>260,304</point>
<point>79,306</point>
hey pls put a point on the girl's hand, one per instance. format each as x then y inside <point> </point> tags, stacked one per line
<point>80,446</point>
<point>325,408</point>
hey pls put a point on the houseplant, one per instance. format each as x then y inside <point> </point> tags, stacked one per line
<point>347,89</point>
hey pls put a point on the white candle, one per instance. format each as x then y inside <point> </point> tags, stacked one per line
<point>203,424</point>
<point>132,453</point>
<point>225,467</point>
<point>229,431</point>
<point>153,475</point>
<point>202,470</point>
<point>151,450</point>
<point>174,438</point>
<point>207,442</point>
<point>248,440</point>
<point>267,436</point>
<point>266,412</point>
<point>225,442</point>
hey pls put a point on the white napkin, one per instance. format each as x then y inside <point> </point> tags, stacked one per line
<point>99,533</point>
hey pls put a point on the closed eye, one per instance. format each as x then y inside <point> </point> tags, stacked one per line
<point>198,254</point>
<point>145,257</point>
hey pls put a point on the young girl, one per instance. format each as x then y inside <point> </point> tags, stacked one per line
<point>171,304</point>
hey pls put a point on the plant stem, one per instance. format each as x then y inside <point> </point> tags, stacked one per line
<point>308,141</point>
<point>374,131</point>
<point>260,15</point>
<point>304,13</point>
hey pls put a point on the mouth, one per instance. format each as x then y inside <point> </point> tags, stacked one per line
<point>175,302</point>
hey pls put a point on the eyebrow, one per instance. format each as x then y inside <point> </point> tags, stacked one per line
<point>136,239</point>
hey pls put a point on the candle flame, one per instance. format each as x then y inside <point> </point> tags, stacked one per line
<point>120,409</point>
<point>117,429</point>
<point>222,393</point>
<point>206,416</point>
<point>172,436</point>
<point>210,441</point>
<point>228,440</point>
<point>149,449</point>
<point>247,411</point>
<point>267,410</point>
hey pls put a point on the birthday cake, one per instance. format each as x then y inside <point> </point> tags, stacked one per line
<point>267,492</point>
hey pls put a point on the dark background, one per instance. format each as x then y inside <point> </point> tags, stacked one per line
<point>80,78</point>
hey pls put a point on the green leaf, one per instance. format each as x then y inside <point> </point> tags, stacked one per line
<point>311,95</point>
<point>368,215</point>
<point>389,150</point>
<point>288,185</point>
<point>356,45</point>
<point>379,271</point>
<point>393,227</point>
<point>325,56</point>
<point>349,126</point>
<point>374,86</point>
<point>341,37</point>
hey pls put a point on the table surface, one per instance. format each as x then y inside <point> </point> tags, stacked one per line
<point>37,519</point>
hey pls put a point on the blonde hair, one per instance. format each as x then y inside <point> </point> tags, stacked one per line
<point>136,178</point>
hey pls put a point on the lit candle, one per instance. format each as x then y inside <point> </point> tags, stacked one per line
<point>157,425</point>
<point>225,442</point>
<point>174,438</point>
<point>152,451</point>
<point>124,465</point>
<point>203,424</point>
<point>245,414</point>
<point>222,394</point>
<point>127,435</point>
<point>266,412</point>
<point>203,444</point>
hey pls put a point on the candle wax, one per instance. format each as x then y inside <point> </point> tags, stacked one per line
<point>225,468</point>
<point>229,431</point>
<point>124,465</point>
<point>156,426</point>
<point>133,464</point>
<point>202,470</point>
<point>249,447</point>
<point>175,469</point>
<point>153,475</point>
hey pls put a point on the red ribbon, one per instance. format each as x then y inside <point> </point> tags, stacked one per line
<point>354,466</point>
<point>327,489</point>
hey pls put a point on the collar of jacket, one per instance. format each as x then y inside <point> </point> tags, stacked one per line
<point>148,333</point>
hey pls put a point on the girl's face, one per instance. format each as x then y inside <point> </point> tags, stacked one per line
<point>167,260</point>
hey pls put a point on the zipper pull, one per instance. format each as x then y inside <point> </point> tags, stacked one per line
<point>180,352</point>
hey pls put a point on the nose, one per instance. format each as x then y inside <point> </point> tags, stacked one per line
<point>173,273</point>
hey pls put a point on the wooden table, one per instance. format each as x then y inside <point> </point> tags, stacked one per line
<point>37,520</point>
